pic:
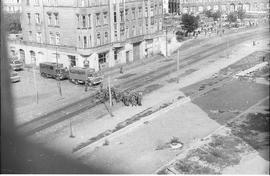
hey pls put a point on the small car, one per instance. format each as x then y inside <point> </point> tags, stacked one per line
<point>14,77</point>
<point>16,65</point>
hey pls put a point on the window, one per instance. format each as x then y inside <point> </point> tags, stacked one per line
<point>38,37</point>
<point>115,54</point>
<point>146,12</point>
<point>122,16</point>
<point>98,19</point>
<point>56,19</point>
<point>106,36</point>
<point>89,21</point>
<point>152,21</point>
<point>84,21</point>
<point>133,31</point>
<point>51,38</point>
<point>83,3</point>
<point>102,58</point>
<point>78,21</point>
<point>36,2</point>
<point>84,42</point>
<point>57,38</point>
<point>126,14</point>
<point>30,35</point>
<point>29,18</point>
<point>115,17</point>
<point>127,32</point>
<point>49,19</point>
<point>90,41</point>
<point>133,14</point>
<point>98,39</point>
<point>37,18</point>
<point>140,12</point>
<point>105,17</point>
<point>27,2</point>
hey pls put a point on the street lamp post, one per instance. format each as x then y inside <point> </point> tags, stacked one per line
<point>58,74</point>
<point>34,77</point>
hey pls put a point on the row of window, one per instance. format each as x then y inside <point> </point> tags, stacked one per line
<point>37,18</point>
<point>38,37</point>
<point>53,19</point>
<point>54,39</point>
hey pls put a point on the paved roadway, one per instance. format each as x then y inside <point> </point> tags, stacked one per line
<point>188,56</point>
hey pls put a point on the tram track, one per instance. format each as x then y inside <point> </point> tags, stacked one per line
<point>71,110</point>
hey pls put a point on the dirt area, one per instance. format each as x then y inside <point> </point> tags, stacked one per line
<point>225,150</point>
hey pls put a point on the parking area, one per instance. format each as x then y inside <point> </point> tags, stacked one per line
<point>24,92</point>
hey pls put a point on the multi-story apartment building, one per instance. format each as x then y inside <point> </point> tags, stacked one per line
<point>196,6</point>
<point>12,6</point>
<point>174,6</point>
<point>94,33</point>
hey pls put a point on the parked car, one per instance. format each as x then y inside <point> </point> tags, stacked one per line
<point>14,77</point>
<point>52,70</point>
<point>80,75</point>
<point>16,65</point>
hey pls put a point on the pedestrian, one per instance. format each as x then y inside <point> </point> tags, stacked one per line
<point>254,43</point>
<point>139,99</point>
<point>86,86</point>
<point>121,70</point>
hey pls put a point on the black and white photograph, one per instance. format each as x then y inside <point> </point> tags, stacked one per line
<point>135,87</point>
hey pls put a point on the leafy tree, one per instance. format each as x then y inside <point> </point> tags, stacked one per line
<point>216,15</point>
<point>12,22</point>
<point>241,14</point>
<point>190,22</point>
<point>232,17</point>
<point>208,13</point>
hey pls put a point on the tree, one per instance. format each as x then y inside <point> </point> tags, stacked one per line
<point>241,14</point>
<point>232,17</point>
<point>12,22</point>
<point>208,13</point>
<point>190,23</point>
<point>216,15</point>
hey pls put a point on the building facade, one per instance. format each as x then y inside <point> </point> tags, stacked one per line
<point>174,6</point>
<point>197,6</point>
<point>12,6</point>
<point>90,33</point>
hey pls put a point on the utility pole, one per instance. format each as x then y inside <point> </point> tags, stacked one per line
<point>166,40</point>
<point>34,77</point>
<point>178,60</point>
<point>71,129</point>
<point>110,93</point>
<point>58,74</point>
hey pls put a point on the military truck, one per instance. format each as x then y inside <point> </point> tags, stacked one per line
<point>53,70</point>
<point>80,75</point>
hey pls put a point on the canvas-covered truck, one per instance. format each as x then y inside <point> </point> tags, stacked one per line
<point>80,75</point>
<point>53,70</point>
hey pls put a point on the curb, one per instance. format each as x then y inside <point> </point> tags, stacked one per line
<point>130,127</point>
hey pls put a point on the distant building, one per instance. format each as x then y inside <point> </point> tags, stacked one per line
<point>12,6</point>
<point>197,6</point>
<point>174,6</point>
<point>103,33</point>
<point>165,6</point>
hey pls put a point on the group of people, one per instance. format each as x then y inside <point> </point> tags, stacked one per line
<point>128,98</point>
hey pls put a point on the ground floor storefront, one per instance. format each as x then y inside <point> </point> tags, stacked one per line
<point>99,58</point>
